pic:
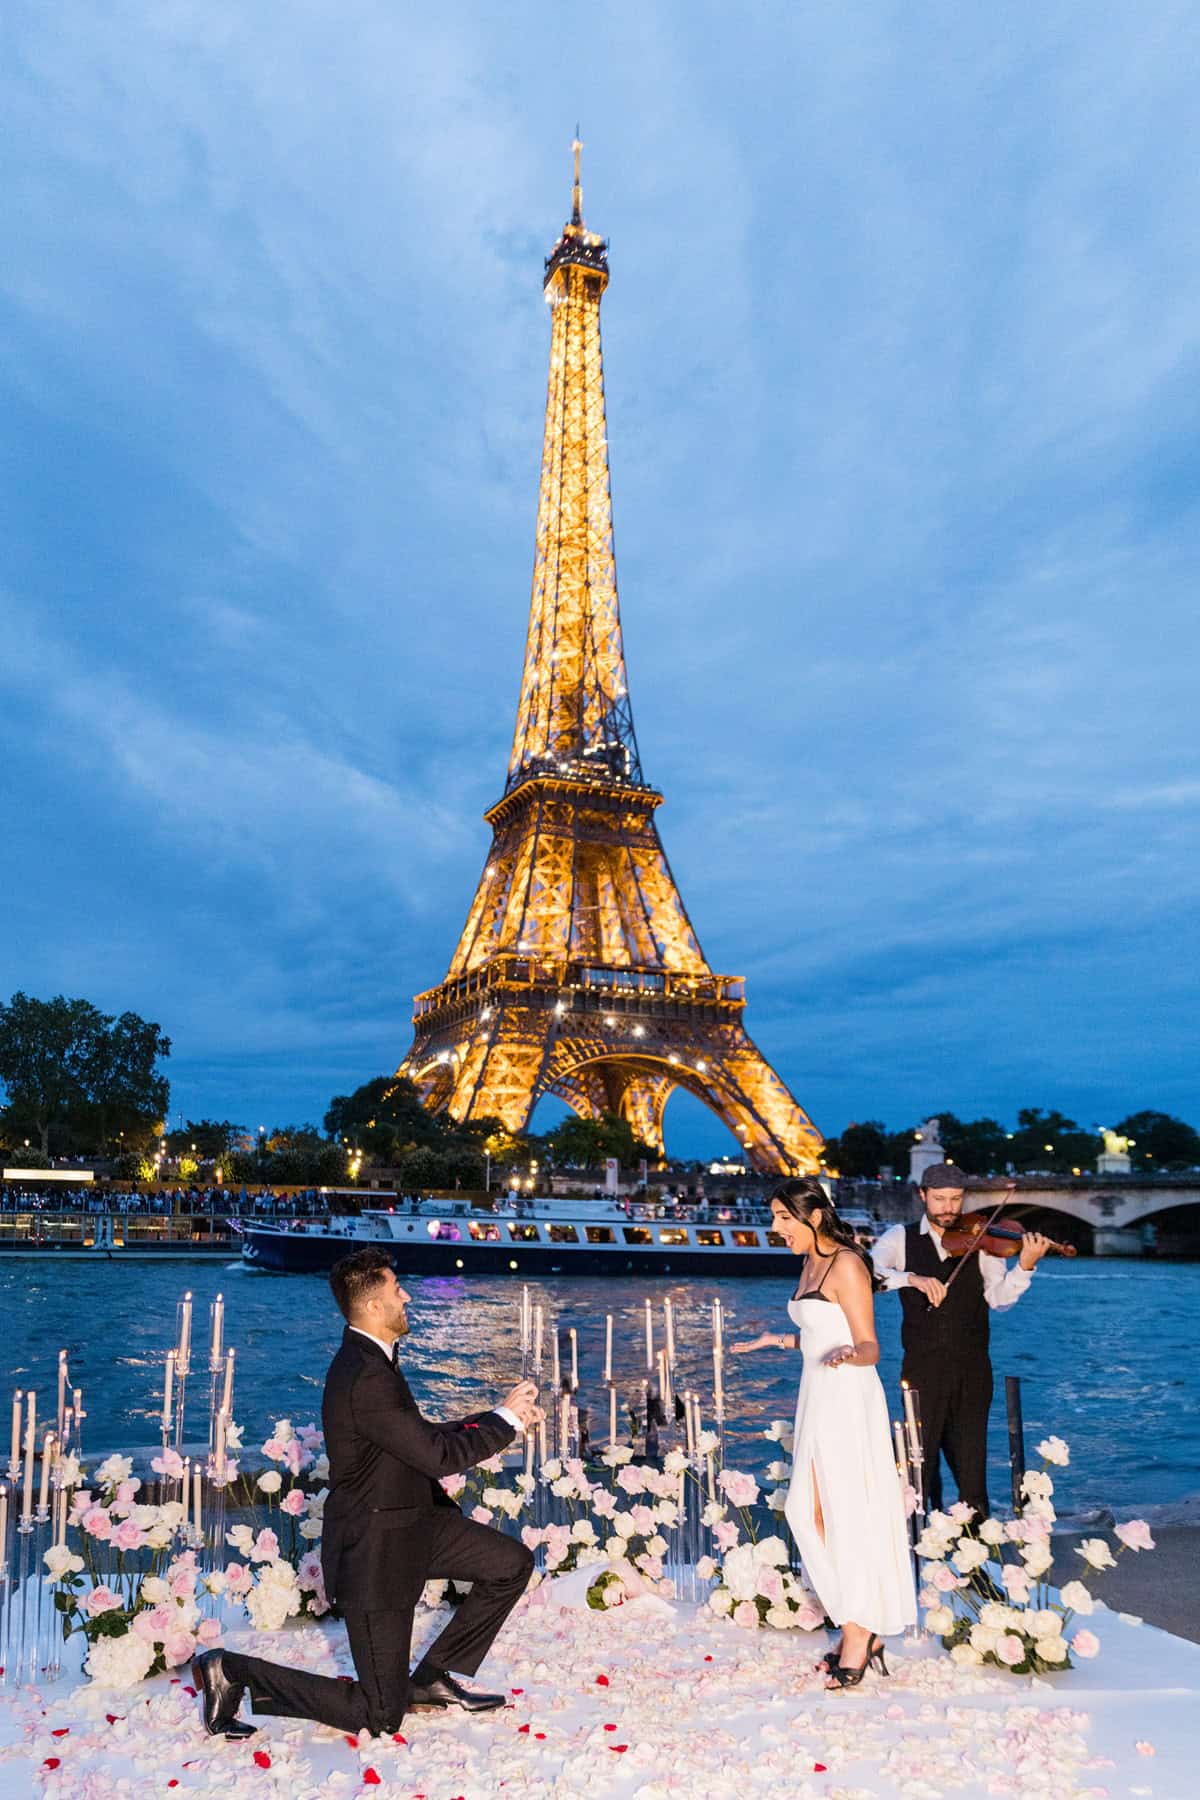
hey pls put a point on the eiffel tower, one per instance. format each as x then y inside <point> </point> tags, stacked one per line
<point>578,972</point>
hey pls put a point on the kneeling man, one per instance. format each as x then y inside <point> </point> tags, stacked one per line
<point>389,1527</point>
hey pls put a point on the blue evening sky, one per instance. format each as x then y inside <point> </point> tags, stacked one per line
<point>903,364</point>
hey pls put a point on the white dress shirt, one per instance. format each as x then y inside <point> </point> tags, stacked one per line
<point>1002,1285</point>
<point>510,1418</point>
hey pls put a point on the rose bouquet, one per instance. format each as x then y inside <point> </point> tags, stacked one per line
<point>984,1588</point>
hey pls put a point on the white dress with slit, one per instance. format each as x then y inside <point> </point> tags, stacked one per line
<point>862,1569</point>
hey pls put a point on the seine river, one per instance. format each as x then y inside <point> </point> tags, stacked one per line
<point>1105,1351</point>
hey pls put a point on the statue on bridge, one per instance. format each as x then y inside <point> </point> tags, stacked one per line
<point>1114,1159</point>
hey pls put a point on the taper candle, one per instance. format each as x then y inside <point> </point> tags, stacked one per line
<point>556,1378</point>
<point>529,1453</point>
<point>185,1491</point>
<point>539,1322</point>
<point>912,1422</point>
<point>901,1454</point>
<point>227,1395</point>
<point>196,1497</point>
<point>669,1318</point>
<point>649,1338</point>
<point>573,1335</point>
<point>168,1390</point>
<point>612,1415</point>
<point>608,1334</point>
<point>3,1525</point>
<point>218,1332</point>
<point>183,1357</point>
<point>718,1383</point>
<point>14,1455</point>
<point>77,1403</point>
<point>30,1429</point>
<point>62,1391</point>
<point>219,1447</point>
<point>47,1459</point>
<point>541,1442</point>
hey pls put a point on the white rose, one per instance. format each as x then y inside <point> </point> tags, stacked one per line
<point>994,1615</point>
<point>775,1430</point>
<point>119,1662</point>
<point>1077,1597</point>
<point>1051,1649</point>
<point>713,1513</point>
<point>1037,1559</point>
<point>984,1639</point>
<point>114,1470</point>
<point>1096,1552</point>
<point>720,1601</point>
<point>270,1481</point>
<point>939,1620</point>
<point>779,1471</point>
<point>771,1550</point>
<point>70,1471</point>
<point>551,1469</point>
<point>60,1561</point>
<point>1040,1509</point>
<point>282,1431</point>
<point>584,1532</point>
<point>992,1531</point>
<point>1043,1624</point>
<point>1053,1450</point>
<point>1037,1484</point>
<point>707,1442</point>
<point>666,1511</point>
<point>777,1499</point>
<point>320,1469</point>
<point>706,1568</point>
<point>159,1536</point>
<point>675,1462</point>
<point>155,1590</point>
<point>233,1436</point>
<point>216,1582</point>
<point>622,1524</point>
<point>617,1455</point>
<point>242,1538</point>
<point>966,1655</point>
<point>310,1529</point>
<point>781,1617</point>
<point>656,1545</point>
<point>564,1487</point>
<point>970,1555</point>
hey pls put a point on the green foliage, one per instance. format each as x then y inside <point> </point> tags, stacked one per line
<point>383,1118</point>
<point>585,1143</point>
<point>1070,1147</point>
<point>860,1150</point>
<point>89,1077</point>
<point>978,1146</point>
<point>1160,1142</point>
<point>213,1139</point>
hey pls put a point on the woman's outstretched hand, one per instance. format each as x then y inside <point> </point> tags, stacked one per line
<point>767,1341</point>
<point>843,1354</point>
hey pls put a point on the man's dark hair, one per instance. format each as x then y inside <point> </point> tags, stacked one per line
<point>353,1277</point>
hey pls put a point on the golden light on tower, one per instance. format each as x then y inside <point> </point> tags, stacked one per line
<point>578,972</point>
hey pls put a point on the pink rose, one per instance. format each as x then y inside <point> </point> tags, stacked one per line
<point>265,1547</point>
<point>143,1627</point>
<point>531,1537</point>
<point>1134,1534</point>
<point>296,1456</point>
<point>652,1567</point>
<point>1010,1649</point>
<point>125,1493</point>
<point>178,1647</point>
<point>604,1504</point>
<point>482,1515</point>
<point>944,1579</point>
<point>726,1533</point>
<point>809,1618</point>
<point>274,1449</point>
<point>643,1520</point>
<point>961,1513</point>
<point>1016,1582</point>
<point>156,1624</point>
<point>209,1631</point>
<point>170,1463</point>
<point>739,1489</point>
<point>770,1584</point>
<point>97,1523</point>
<point>81,1503</point>
<point>238,1578</point>
<point>1085,1643</point>
<point>128,1535</point>
<point>294,1503</point>
<point>101,1600</point>
<point>183,1585</point>
<point>745,1614</point>
<point>631,1480</point>
<point>453,1485</point>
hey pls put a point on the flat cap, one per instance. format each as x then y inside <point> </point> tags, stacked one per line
<point>944,1175</point>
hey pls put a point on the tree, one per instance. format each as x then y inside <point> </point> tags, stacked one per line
<point>63,1062</point>
<point>213,1138</point>
<point>978,1146</point>
<point>382,1117</point>
<point>860,1150</point>
<point>1160,1141</point>
<point>583,1143</point>
<point>1052,1142</point>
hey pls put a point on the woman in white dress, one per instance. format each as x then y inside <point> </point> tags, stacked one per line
<point>844,1505</point>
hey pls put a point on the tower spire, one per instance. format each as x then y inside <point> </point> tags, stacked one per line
<point>577,191</point>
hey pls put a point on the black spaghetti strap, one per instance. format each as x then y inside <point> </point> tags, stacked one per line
<point>824,1277</point>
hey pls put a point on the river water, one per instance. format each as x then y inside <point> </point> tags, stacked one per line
<point>1104,1350</point>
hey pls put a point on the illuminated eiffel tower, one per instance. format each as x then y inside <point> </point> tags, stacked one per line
<point>578,972</point>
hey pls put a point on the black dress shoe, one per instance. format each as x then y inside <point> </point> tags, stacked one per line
<point>433,1690</point>
<point>221,1695</point>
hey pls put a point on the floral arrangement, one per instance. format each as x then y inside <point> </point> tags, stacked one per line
<point>984,1584</point>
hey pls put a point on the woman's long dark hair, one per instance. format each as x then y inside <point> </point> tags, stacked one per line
<point>804,1195</point>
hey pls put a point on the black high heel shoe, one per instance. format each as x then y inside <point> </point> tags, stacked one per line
<point>845,1677</point>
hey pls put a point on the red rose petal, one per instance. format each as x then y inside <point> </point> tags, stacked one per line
<point>189,1690</point>
<point>398,1737</point>
<point>516,1690</point>
<point>113,1717</point>
<point>708,1659</point>
<point>60,1731</point>
<point>262,1759</point>
<point>52,1762</point>
<point>819,1768</point>
<point>541,1736</point>
<point>371,1778</point>
<point>610,1728</point>
<point>618,1749</point>
<point>602,1681</point>
<point>352,1741</point>
<point>523,1728</point>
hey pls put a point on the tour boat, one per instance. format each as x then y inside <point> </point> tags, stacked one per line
<point>535,1236</point>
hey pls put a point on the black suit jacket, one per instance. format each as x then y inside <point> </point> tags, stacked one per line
<point>385,1466</point>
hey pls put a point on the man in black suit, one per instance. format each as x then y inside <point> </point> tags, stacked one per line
<point>388,1528</point>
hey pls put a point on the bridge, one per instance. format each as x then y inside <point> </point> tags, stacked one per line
<point>1127,1214</point>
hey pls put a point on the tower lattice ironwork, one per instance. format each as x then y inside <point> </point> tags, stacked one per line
<point>578,972</point>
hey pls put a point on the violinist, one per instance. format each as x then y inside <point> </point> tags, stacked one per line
<point>945,1303</point>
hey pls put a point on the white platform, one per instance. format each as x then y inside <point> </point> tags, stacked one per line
<point>704,1710</point>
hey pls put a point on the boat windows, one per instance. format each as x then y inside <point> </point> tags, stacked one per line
<point>524,1234</point>
<point>484,1232</point>
<point>674,1234</point>
<point>710,1239</point>
<point>563,1234</point>
<point>746,1240</point>
<point>776,1242</point>
<point>600,1234</point>
<point>637,1234</point>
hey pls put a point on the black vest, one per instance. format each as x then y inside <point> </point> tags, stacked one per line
<point>958,1328</point>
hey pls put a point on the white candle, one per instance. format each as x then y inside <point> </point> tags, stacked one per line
<point>649,1337</point>
<point>60,1524</point>
<point>14,1455</point>
<point>608,1330</point>
<point>718,1318</point>
<point>68,1423</point>
<point>218,1332</point>
<point>664,1379</point>
<point>525,1321</point>
<point>186,1490</point>
<point>541,1442</point>
<point>47,1459</point>
<point>712,1480</point>
<point>30,1429</point>
<point>219,1447</point>
<point>529,1453</point>
<point>557,1371</point>
<point>538,1326</point>
<point>62,1390</point>
<point>612,1415</point>
<point>669,1316</point>
<point>912,1425</point>
<point>168,1390</point>
<point>689,1425</point>
<point>196,1497</point>
<point>574,1359</point>
<point>77,1398</point>
<point>3,1525</point>
<point>185,1334</point>
<point>901,1457</point>
<point>227,1396</point>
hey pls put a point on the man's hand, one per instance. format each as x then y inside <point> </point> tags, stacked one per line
<point>929,1285</point>
<point>522,1403</point>
<point>1033,1249</point>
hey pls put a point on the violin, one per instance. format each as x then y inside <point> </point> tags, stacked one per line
<point>993,1237</point>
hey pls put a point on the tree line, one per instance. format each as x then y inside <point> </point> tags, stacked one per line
<point>80,1082</point>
